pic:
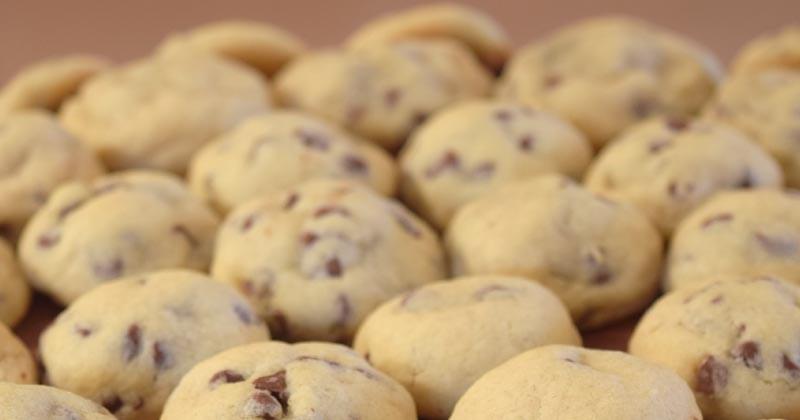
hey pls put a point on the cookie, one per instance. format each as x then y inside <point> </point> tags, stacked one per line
<point>753,232</point>
<point>382,92</point>
<point>439,339</point>
<point>156,112</point>
<point>15,295</point>
<point>600,257</point>
<point>120,224</point>
<point>605,74</point>
<point>317,259</point>
<point>764,106</point>
<point>564,382</point>
<point>36,156</point>
<point>462,23</point>
<point>32,402</point>
<point>734,341</point>
<point>668,167</point>
<point>776,50</point>
<point>261,46</point>
<point>280,150</point>
<point>126,344</point>
<point>16,362</point>
<point>46,84</point>
<point>475,147</point>
<point>275,380</point>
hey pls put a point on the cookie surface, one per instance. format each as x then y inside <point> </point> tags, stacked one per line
<point>275,380</point>
<point>16,362</point>
<point>280,150</point>
<point>776,50</point>
<point>475,147</point>
<point>155,113</point>
<point>734,341</point>
<point>316,259</point>
<point>600,257</point>
<point>605,74</point>
<point>15,295</point>
<point>381,92</point>
<point>438,339</point>
<point>127,344</point>
<point>667,167</point>
<point>563,382</point>
<point>36,155</point>
<point>120,224</point>
<point>27,402</point>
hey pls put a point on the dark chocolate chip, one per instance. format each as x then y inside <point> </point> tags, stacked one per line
<point>749,352</point>
<point>790,366</point>
<point>330,210</point>
<point>308,238</point>
<point>448,160</point>
<point>677,124</point>
<point>658,145</point>
<point>83,331</point>
<point>48,239</point>
<point>354,164</point>
<point>226,376</point>
<point>333,267</point>
<point>264,406</point>
<point>711,376</point>
<point>248,223</point>
<point>162,358</point>
<point>112,403</point>
<point>132,344</point>
<point>313,139</point>
<point>526,143</point>
<point>503,115</point>
<point>391,97</point>
<point>110,269</point>
<point>244,314</point>
<point>291,200</point>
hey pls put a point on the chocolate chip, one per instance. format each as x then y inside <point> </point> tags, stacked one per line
<point>448,160</point>
<point>677,124</point>
<point>273,383</point>
<point>264,406</point>
<point>407,225</point>
<point>312,139</point>
<point>503,115</point>
<point>291,200</point>
<point>677,190</point>
<point>642,107</point>
<point>248,223</point>
<point>110,269</point>
<point>161,357</point>
<point>526,143</point>
<point>243,313</point>
<point>132,344</point>
<point>746,181</point>
<point>551,81</point>
<point>717,218</point>
<point>790,366</point>
<point>717,300</point>
<point>354,114</point>
<point>329,210</point>
<point>333,267</point>
<point>112,403</point>
<point>600,273</point>
<point>658,145</point>
<point>776,245</point>
<point>48,239</point>
<point>749,352</point>
<point>83,331</point>
<point>392,97</point>
<point>354,164</point>
<point>711,376</point>
<point>418,119</point>
<point>224,377</point>
<point>308,238</point>
<point>184,232</point>
<point>279,325</point>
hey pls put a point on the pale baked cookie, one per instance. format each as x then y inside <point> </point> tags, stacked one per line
<point>259,45</point>
<point>439,339</point>
<point>475,147</point>
<point>36,156</point>
<point>600,257</point>
<point>15,295</point>
<point>280,150</point>
<point>120,224</point>
<point>275,380</point>
<point>776,50</point>
<point>383,91</point>
<point>738,232</point>
<point>667,167</point>
<point>16,362</point>
<point>605,74</point>
<point>157,112</point>
<point>46,84</point>
<point>563,382</point>
<point>126,344</point>
<point>734,341</point>
<point>462,23</point>
<point>37,402</point>
<point>317,259</point>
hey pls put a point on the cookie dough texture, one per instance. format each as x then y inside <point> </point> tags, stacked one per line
<point>605,74</point>
<point>600,257</point>
<point>31,402</point>
<point>563,382</point>
<point>275,380</point>
<point>36,155</point>
<point>478,146</point>
<point>261,46</point>
<point>317,259</point>
<point>269,153</point>
<point>439,339</point>
<point>462,23</point>
<point>381,92</point>
<point>667,167</point>
<point>15,295</point>
<point>777,50</point>
<point>16,362</point>
<point>754,232</point>
<point>121,224</point>
<point>127,344</point>
<point>157,112</point>
<point>733,341</point>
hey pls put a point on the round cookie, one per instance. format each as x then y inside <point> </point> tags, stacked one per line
<point>275,380</point>
<point>36,156</point>
<point>157,112</point>
<point>439,339</point>
<point>317,259</point>
<point>605,74</point>
<point>754,232</point>
<point>463,23</point>
<point>734,341</point>
<point>777,50</point>
<point>667,167</point>
<point>475,147</point>
<point>381,92</point>
<point>15,295</point>
<point>280,150</point>
<point>120,224</point>
<point>27,402</point>
<point>46,84</point>
<point>564,382</point>
<point>16,362</point>
<point>264,47</point>
<point>126,344</point>
<point>600,257</point>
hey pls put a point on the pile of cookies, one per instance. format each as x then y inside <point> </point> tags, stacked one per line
<point>418,223</point>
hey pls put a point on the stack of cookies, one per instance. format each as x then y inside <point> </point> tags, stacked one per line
<point>418,223</point>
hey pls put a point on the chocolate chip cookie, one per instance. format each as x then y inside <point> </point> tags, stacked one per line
<point>15,295</point>
<point>16,362</point>
<point>34,402</point>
